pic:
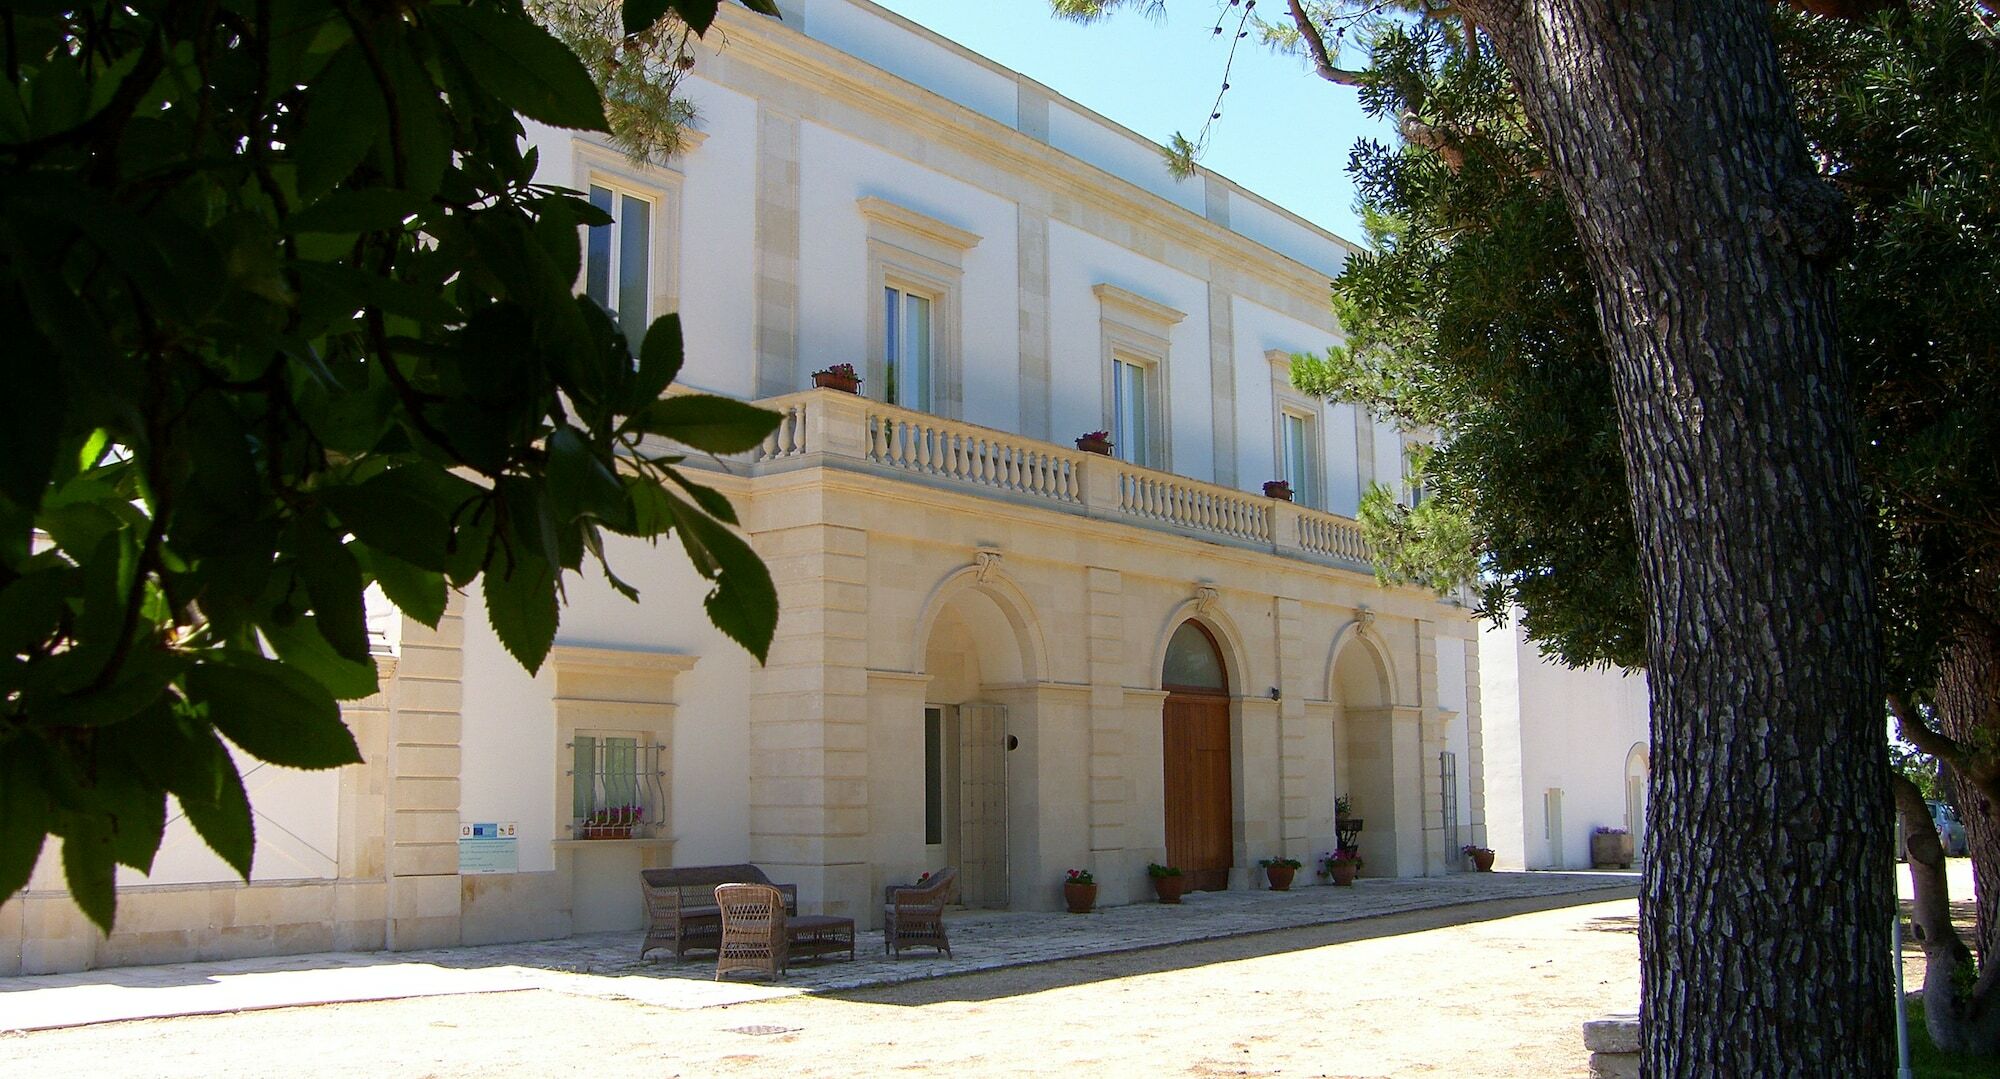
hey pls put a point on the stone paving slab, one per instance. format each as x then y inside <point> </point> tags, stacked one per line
<point>606,964</point>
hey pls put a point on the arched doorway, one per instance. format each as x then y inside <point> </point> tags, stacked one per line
<point>1635,799</point>
<point>1195,748</point>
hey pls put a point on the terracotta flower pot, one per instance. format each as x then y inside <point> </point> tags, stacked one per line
<point>1280,877</point>
<point>1094,445</point>
<point>827,380</point>
<point>1278,489</point>
<point>1342,873</point>
<point>1170,889</point>
<point>1482,860</point>
<point>1080,897</point>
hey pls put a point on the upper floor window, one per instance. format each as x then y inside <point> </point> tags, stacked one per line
<point>908,346</point>
<point>1413,473</point>
<point>618,260</point>
<point>1135,339</point>
<point>1131,410</point>
<point>915,274</point>
<point>1298,453</point>
<point>630,265</point>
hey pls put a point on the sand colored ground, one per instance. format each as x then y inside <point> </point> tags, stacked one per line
<point>1394,996</point>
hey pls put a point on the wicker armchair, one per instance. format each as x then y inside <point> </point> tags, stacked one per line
<point>914,913</point>
<point>753,929</point>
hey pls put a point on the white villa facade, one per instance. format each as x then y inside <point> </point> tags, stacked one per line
<point>995,651</point>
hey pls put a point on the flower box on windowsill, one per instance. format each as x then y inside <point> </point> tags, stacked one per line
<point>840,376</point>
<point>1095,442</point>
<point>1278,489</point>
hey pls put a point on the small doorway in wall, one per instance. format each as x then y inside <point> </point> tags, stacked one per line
<point>965,798</point>
<point>1552,816</point>
<point>1636,764</point>
<point>1200,798</point>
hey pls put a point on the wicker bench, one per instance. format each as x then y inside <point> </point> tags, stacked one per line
<point>681,909</point>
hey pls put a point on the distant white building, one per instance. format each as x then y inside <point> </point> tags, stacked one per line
<point>1566,753</point>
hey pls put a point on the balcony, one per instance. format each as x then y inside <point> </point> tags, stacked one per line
<point>830,429</point>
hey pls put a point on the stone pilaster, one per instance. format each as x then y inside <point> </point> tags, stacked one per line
<point>1110,781</point>
<point>1032,253</point>
<point>809,805</point>
<point>1432,739</point>
<point>1475,753</point>
<point>777,252</point>
<point>420,820</point>
<point>1222,381</point>
<point>1294,686</point>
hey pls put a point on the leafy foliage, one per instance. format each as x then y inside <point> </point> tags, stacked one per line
<point>290,318</point>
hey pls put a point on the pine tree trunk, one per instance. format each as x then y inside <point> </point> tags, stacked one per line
<point>1968,711</point>
<point>1767,900</point>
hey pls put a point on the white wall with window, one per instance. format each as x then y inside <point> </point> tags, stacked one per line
<point>1324,438</point>
<point>1083,380</point>
<point>843,303</point>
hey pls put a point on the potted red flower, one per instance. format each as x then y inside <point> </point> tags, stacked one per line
<point>1340,864</point>
<point>841,376</point>
<point>1080,891</point>
<point>1094,442</point>
<point>612,822</point>
<point>1482,857</point>
<point>1278,489</point>
<point>1280,871</point>
<point>1168,882</point>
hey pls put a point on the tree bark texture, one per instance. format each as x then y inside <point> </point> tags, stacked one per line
<point>1767,900</point>
<point>1967,702</point>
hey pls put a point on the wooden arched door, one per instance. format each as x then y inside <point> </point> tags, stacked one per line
<point>1200,800</point>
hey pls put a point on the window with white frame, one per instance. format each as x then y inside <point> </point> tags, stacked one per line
<point>1298,447</point>
<point>1131,410</point>
<point>629,265</point>
<point>614,714</point>
<point>616,784</point>
<point>618,259</point>
<point>916,281</point>
<point>908,347</point>
<point>1414,454</point>
<point>1135,339</point>
<point>1298,460</point>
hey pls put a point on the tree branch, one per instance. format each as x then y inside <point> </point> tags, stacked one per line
<point>1912,729</point>
<point>1316,46</point>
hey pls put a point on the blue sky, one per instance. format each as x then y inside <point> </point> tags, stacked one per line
<point>1284,133</point>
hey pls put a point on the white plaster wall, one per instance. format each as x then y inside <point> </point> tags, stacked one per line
<point>1285,234</point>
<point>885,40</point>
<point>1089,137</point>
<point>1388,455</point>
<point>1342,458</point>
<point>718,254</point>
<point>297,817</point>
<point>1078,261</point>
<point>1257,330</point>
<point>1575,729</point>
<point>834,293</point>
<point>509,747</point>
<point>1500,728</point>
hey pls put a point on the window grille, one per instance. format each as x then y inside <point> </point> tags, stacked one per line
<point>618,787</point>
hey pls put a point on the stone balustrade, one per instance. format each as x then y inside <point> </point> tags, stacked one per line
<point>827,428</point>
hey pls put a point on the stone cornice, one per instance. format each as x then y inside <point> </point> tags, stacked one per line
<point>888,213</point>
<point>1137,309</point>
<point>823,72</point>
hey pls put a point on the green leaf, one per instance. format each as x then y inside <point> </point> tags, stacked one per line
<point>345,115</point>
<point>744,602</point>
<point>303,644</point>
<point>521,64</point>
<point>659,362</point>
<point>226,824</point>
<point>711,501</point>
<point>138,818</point>
<point>580,483</point>
<point>521,606</point>
<point>333,580</point>
<point>405,512</point>
<point>706,422</point>
<point>31,422</point>
<point>640,15</point>
<point>273,712</point>
<point>24,810</point>
<point>365,210</point>
<point>88,867</point>
<point>417,592</point>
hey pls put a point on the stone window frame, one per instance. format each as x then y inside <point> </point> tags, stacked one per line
<point>1138,330</point>
<point>1286,399</point>
<point>917,254</point>
<point>616,692</point>
<point>606,166</point>
<point>1409,494</point>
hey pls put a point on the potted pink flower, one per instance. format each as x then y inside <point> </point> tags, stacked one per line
<point>1080,891</point>
<point>840,376</point>
<point>1094,442</point>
